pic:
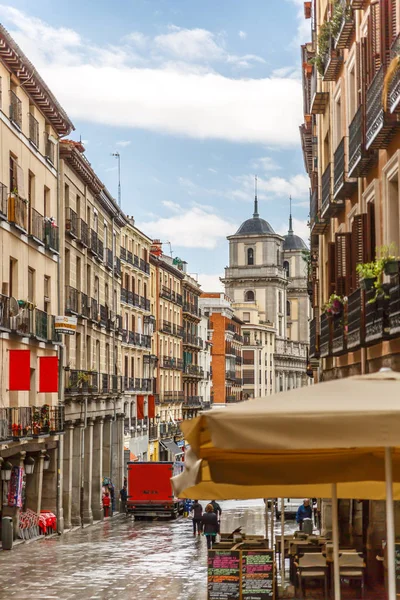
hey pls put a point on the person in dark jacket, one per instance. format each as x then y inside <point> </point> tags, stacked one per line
<point>304,512</point>
<point>216,508</point>
<point>197,512</point>
<point>210,525</point>
<point>123,498</point>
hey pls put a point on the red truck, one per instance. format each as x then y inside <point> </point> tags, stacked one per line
<point>150,491</point>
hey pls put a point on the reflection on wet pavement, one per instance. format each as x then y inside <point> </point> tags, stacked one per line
<point>121,558</point>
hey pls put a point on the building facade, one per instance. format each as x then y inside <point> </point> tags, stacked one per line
<point>351,140</point>
<point>267,282</point>
<point>31,419</point>
<point>90,225</point>
<point>225,332</point>
<point>193,372</point>
<point>204,358</point>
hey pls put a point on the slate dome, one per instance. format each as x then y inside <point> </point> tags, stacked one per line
<point>255,226</point>
<point>293,242</point>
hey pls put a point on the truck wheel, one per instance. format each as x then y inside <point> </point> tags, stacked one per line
<point>174,515</point>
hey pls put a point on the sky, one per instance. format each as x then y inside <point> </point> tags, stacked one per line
<point>197,96</point>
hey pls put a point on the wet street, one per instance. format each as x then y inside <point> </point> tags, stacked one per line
<point>121,558</point>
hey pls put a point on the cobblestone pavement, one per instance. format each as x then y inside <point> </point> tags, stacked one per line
<point>123,559</point>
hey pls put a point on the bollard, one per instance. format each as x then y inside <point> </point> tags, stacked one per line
<point>7,533</point>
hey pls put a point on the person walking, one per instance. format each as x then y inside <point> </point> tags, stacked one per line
<point>187,507</point>
<point>123,495</point>
<point>197,511</point>
<point>216,508</point>
<point>210,525</point>
<point>303,512</point>
<point>106,504</point>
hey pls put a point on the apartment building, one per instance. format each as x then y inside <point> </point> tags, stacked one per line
<point>90,224</point>
<point>351,140</point>
<point>138,359</point>
<point>168,346</point>
<point>193,372</point>
<point>31,124</point>
<point>204,358</point>
<point>226,351</point>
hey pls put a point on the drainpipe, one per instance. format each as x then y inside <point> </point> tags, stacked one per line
<point>113,347</point>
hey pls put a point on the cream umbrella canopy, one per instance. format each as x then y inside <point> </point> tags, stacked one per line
<point>345,432</point>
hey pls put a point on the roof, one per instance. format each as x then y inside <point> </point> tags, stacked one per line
<point>293,242</point>
<point>255,226</point>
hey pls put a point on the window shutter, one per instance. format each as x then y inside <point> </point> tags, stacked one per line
<point>371,235</point>
<point>359,251</point>
<point>331,268</point>
<point>374,29</point>
<point>385,33</point>
<point>343,263</point>
<point>392,21</point>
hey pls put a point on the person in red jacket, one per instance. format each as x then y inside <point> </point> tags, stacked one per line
<point>106,504</point>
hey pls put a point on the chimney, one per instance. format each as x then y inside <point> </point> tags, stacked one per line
<point>156,248</point>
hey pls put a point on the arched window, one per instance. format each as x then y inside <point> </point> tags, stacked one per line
<point>249,296</point>
<point>286,267</point>
<point>250,256</point>
<point>288,308</point>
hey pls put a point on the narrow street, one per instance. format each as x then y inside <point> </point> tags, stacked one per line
<point>120,558</point>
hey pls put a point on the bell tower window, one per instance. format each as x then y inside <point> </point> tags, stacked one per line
<point>249,296</point>
<point>250,256</point>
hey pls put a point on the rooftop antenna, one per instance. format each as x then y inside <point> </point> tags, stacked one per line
<point>255,214</point>
<point>290,217</point>
<point>118,157</point>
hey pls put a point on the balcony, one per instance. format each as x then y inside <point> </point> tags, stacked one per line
<point>100,250</point>
<point>33,130</point>
<point>41,325</point>
<point>347,28</point>
<point>109,259</point>
<point>172,397</point>
<point>136,339</point>
<point>193,402</point>
<point>355,320</point>
<point>357,4</point>
<point>319,100</point>
<point>84,234</point>
<point>5,312</point>
<point>49,149</point>
<point>318,224</point>
<point>329,206</point>
<point>377,325</point>
<point>81,382</point>
<point>394,89</point>
<point>94,242</point>
<point>144,266</point>
<point>380,125</point>
<point>314,339</point>
<point>71,223</point>
<point>193,371</point>
<point>85,306</point>
<point>343,187</point>
<point>153,433</point>
<point>3,202</point>
<point>170,295</point>
<point>31,421</point>
<point>18,212</point>
<point>231,399</point>
<point>332,62</point>
<point>191,309</point>
<point>51,237</point>
<point>307,146</point>
<point>122,253</point>
<point>168,362</point>
<point>15,109</point>
<point>36,226</point>
<point>117,267</point>
<point>94,310</point>
<point>190,339</point>
<point>325,336</point>
<point>394,311</point>
<point>71,300</point>
<point>339,337</point>
<point>103,313</point>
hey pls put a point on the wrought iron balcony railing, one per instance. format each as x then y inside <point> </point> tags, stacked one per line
<point>377,323</point>
<point>332,62</point>
<point>81,382</point>
<point>191,402</point>
<point>318,99</point>
<point>394,89</point>
<point>94,240</point>
<point>380,125</point>
<point>169,362</point>
<point>18,212</point>
<point>355,322</point>
<point>71,300</point>
<point>15,109</point>
<point>314,338</point>
<point>325,336</point>
<point>191,309</point>
<point>71,222</point>
<point>347,27</point>
<point>84,234</point>
<point>3,202</point>
<point>36,226</point>
<point>33,130</point>
<point>343,186</point>
<point>51,236</point>
<point>193,371</point>
<point>109,259</point>
<point>49,148</point>
<point>85,306</point>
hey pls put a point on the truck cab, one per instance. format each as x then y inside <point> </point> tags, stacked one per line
<point>150,491</point>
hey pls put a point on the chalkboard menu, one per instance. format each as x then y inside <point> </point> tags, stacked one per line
<point>397,559</point>
<point>257,579</point>
<point>224,574</point>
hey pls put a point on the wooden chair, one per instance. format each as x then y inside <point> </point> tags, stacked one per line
<point>352,567</point>
<point>311,567</point>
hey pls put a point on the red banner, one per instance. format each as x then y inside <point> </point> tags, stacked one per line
<point>19,371</point>
<point>152,408</point>
<point>48,374</point>
<point>140,408</point>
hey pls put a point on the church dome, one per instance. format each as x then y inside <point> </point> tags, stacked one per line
<point>293,242</point>
<point>255,226</point>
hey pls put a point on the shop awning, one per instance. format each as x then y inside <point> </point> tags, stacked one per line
<point>172,447</point>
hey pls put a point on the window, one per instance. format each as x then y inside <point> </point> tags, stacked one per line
<point>286,267</point>
<point>249,296</point>
<point>31,284</point>
<point>46,201</point>
<point>288,308</point>
<point>13,173</point>
<point>278,257</point>
<point>250,256</point>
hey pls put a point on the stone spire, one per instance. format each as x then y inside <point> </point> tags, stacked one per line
<point>290,232</point>
<point>255,214</point>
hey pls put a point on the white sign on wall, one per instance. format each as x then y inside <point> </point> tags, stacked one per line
<point>65,325</point>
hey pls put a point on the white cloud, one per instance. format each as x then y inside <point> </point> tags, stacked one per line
<point>265,164</point>
<point>304,28</point>
<point>151,93</point>
<point>210,283</point>
<point>242,35</point>
<point>124,143</point>
<point>174,206</point>
<point>212,170</point>
<point>193,228</point>
<point>272,187</point>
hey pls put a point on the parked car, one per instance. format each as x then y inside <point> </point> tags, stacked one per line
<point>291,506</point>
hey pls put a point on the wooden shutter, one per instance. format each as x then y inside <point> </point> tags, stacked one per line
<point>343,263</point>
<point>374,31</point>
<point>359,247</point>
<point>331,268</point>
<point>370,234</point>
<point>392,8</point>
<point>385,33</point>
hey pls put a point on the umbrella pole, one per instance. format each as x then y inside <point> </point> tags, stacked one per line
<point>283,543</point>
<point>266,518</point>
<point>335,537</point>
<point>272,545</point>
<point>390,538</point>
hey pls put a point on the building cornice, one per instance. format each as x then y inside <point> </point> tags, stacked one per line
<point>160,263</point>
<point>19,65</point>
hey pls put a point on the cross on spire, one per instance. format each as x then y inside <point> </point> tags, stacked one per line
<point>255,214</point>
<point>290,217</point>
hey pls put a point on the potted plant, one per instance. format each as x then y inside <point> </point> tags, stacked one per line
<point>391,261</point>
<point>335,305</point>
<point>368,275</point>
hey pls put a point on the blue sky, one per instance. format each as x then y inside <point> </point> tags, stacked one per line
<point>197,96</point>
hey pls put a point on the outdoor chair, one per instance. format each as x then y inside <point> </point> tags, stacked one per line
<point>301,550</point>
<point>352,567</point>
<point>312,567</point>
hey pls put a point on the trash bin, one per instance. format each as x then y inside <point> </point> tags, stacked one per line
<point>7,533</point>
<point>307,526</point>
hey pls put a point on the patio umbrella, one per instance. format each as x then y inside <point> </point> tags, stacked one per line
<point>344,433</point>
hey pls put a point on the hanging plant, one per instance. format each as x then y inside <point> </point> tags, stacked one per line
<point>335,305</point>
<point>372,278</point>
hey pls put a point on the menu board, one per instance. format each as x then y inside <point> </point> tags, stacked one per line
<point>223,575</point>
<point>257,574</point>
<point>397,559</point>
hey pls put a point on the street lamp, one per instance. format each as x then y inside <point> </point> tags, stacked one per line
<point>29,464</point>
<point>158,417</point>
<point>46,462</point>
<point>6,469</point>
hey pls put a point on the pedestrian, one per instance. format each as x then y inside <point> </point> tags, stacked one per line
<point>216,508</point>
<point>187,507</point>
<point>106,504</point>
<point>303,512</point>
<point>123,498</point>
<point>210,525</point>
<point>197,512</point>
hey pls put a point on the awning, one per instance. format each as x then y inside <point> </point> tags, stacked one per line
<point>172,447</point>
